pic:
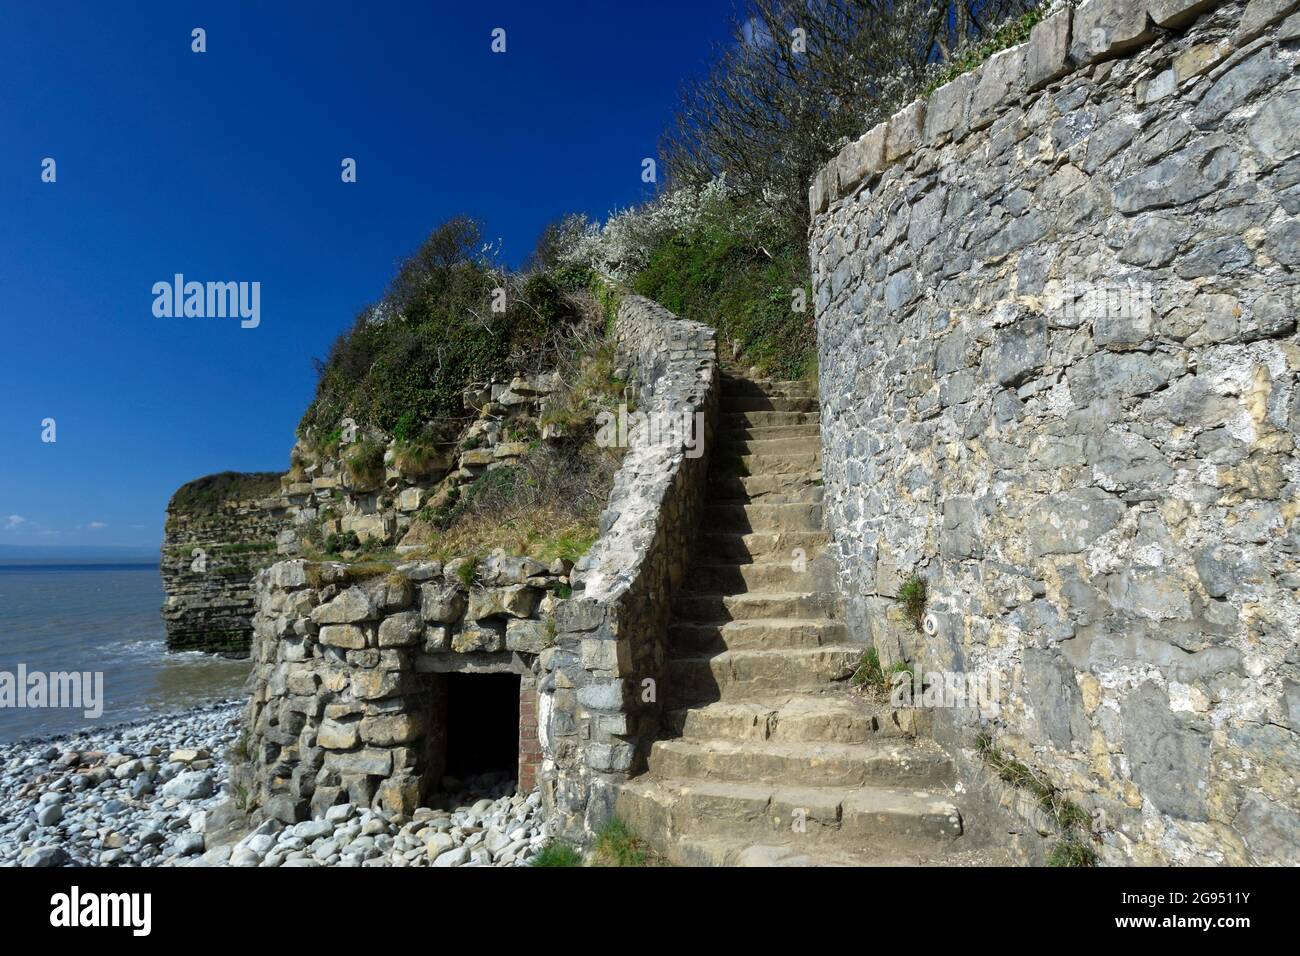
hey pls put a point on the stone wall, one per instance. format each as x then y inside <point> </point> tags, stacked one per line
<point>209,557</point>
<point>1056,312</point>
<point>346,701</point>
<point>598,704</point>
<point>211,552</point>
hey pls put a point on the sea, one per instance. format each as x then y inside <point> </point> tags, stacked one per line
<point>99,618</point>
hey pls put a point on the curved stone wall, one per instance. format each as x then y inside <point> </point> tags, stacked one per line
<point>1057,331</point>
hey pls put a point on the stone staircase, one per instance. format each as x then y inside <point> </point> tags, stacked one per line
<point>768,757</point>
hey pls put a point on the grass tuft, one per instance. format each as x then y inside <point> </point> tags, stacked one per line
<point>1074,823</point>
<point>618,845</point>
<point>913,595</point>
<point>557,853</point>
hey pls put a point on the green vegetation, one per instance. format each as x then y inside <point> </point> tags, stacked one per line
<point>365,464</point>
<point>557,853</point>
<point>336,544</point>
<point>913,595</point>
<point>467,573</point>
<point>1008,34</point>
<point>874,677</point>
<point>754,288</point>
<point>450,317</point>
<point>618,845</point>
<point>1072,821</point>
<point>208,494</point>
<point>352,573</point>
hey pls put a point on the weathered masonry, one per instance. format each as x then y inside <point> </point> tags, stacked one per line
<point>376,691</point>
<point>601,691</point>
<point>1056,306</point>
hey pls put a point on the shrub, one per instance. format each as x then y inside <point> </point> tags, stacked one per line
<point>365,464</point>
<point>407,359</point>
<point>338,543</point>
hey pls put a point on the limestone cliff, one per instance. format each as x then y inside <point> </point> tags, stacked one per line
<point>220,531</point>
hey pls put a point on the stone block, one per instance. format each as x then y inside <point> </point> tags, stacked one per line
<point>400,630</point>
<point>375,684</point>
<point>338,735</point>
<point>441,603</point>
<point>487,636</point>
<point>289,574</point>
<point>1104,29</point>
<point>516,601</point>
<point>1175,14</point>
<point>349,607</point>
<point>391,729</point>
<point>368,762</point>
<point>399,794</point>
<point>947,110</point>
<point>1001,77</point>
<point>1047,55</point>
<point>862,159</point>
<point>347,636</point>
<point>528,637</point>
<point>904,131</point>
<point>1258,16</point>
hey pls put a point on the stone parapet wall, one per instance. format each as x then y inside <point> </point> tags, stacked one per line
<point>345,702</point>
<point>598,705</point>
<point>1056,306</point>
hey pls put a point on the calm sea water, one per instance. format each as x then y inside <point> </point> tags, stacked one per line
<point>100,617</point>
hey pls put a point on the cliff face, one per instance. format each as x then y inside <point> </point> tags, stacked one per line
<point>220,531</point>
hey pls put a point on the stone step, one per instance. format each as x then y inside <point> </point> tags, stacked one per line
<point>694,606</point>
<point>799,463</point>
<point>765,634</point>
<point>719,851</point>
<point>888,820</point>
<point>738,547</point>
<point>878,763</point>
<point>761,432</point>
<point>752,577</point>
<point>767,489</point>
<point>788,445</point>
<point>828,717</point>
<point>733,421</point>
<point>761,403</point>
<point>733,386</point>
<point>740,675</point>
<point>798,516</point>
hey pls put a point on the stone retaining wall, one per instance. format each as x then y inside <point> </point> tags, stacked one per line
<point>1057,331</point>
<point>598,705</point>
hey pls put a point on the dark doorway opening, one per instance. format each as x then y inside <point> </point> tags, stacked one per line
<point>482,724</point>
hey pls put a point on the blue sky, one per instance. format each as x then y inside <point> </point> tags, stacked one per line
<point>225,166</point>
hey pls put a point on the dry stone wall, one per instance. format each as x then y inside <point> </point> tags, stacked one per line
<point>1056,306</point>
<point>345,699</point>
<point>598,707</point>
